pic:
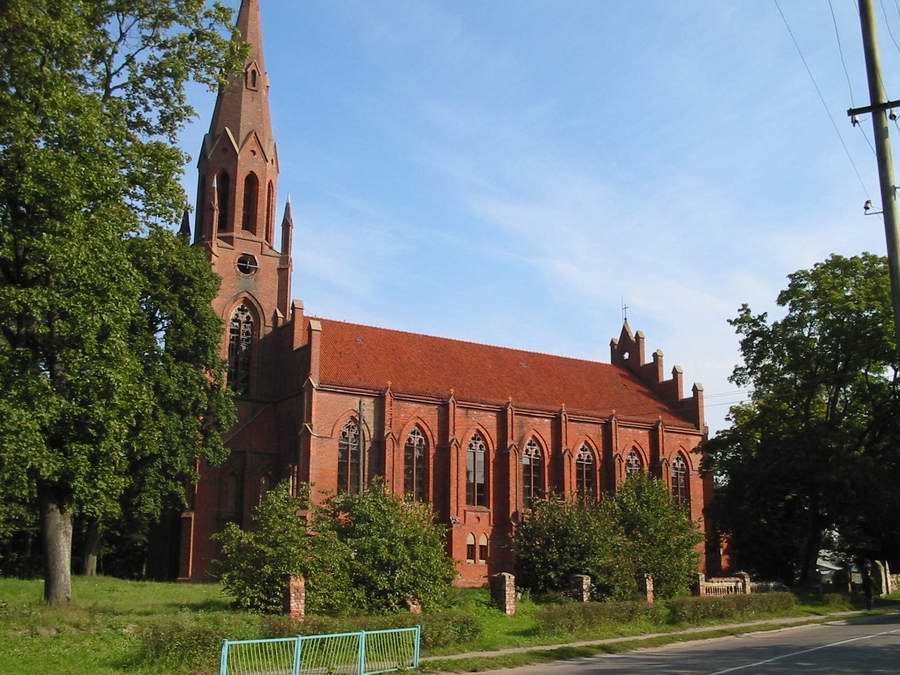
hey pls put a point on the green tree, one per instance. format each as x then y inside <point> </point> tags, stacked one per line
<point>397,551</point>
<point>814,452</point>
<point>91,101</point>
<point>660,538</point>
<point>254,563</point>
<point>560,538</point>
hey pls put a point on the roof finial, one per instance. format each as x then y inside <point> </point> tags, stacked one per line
<point>624,311</point>
<point>185,229</point>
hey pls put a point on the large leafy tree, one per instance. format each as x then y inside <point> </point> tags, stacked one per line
<point>812,460</point>
<point>397,551</point>
<point>659,536</point>
<point>92,95</point>
<point>560,538</point>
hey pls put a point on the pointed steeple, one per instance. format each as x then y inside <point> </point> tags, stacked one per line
<point>287,229</point>
<point>242,107</point>
<point>239,147</point>
<point>185,229</point>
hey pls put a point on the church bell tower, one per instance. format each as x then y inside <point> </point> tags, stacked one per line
<point>235,216</point>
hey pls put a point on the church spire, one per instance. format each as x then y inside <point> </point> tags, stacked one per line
<point>242,107</point>
<point>239,147</point>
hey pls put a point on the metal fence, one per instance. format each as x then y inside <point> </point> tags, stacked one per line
<point>362,653</point>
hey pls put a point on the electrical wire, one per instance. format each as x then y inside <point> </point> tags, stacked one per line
<point>822,99</point>
<point>837,36</point>
<point>868,142</point>
<point>729,403</point>
<point>888,24</point>
<point>729,394</point>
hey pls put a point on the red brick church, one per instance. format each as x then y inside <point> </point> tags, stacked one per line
<point>478,431</point>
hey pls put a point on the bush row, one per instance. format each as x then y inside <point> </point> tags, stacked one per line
<point>439,629</point>
<point>695,610</point>
<point>572,617</point>
<point>184,643</point>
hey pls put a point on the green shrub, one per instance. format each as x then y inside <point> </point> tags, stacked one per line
<point>700,609</point>
<point>254,562</point>
<point>439,629</point>
<point>577,616</point>
<point>836,600</point>
<point>395,551</point>
<point>659,535</point>
<point>561,538</point>
<point>450,627</point>
<point>186,644</point>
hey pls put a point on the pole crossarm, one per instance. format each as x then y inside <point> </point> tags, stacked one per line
<point>887,105</point>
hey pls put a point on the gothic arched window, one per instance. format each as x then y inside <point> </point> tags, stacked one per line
<point>251,199</point>
<point>483,549</point>
<point>223,188</point>
<point>265,483</point>
<point>470,548</point>
<point>230,497</point>
<point>270,211</point>
<point>350,458</point>
<point>476,483</point>
<point>633,464</point>
<point>240,348</point>
<point>532,472</point>
<point>415,466</point>
<point>681,486</point>
<point>584,473</point>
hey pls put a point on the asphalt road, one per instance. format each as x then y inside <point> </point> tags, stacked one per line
<point>867,645</point>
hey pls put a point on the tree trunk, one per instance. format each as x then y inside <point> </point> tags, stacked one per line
<point>56,532</point>
<point>811,557</point>
<point>91,548</point>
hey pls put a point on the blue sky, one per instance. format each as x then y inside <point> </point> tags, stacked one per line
<point>506,171</point>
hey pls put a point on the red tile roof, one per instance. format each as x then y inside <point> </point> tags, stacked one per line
<point>366,357</point>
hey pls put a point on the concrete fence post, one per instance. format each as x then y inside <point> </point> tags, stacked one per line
<point>701,583</point>
<point>294,598</point>
<point>647,588</point>
<point>503,592</point>
<point>580,587</point>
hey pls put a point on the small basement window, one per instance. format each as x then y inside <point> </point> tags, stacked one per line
<point>247,264</point>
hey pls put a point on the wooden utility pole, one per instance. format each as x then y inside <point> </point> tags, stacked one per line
<point>879,105</point>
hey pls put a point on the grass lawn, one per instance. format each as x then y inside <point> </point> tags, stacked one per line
<point>104,630</point>
<point>99,633</point>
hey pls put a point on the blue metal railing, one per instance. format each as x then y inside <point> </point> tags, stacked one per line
<point>361,653</point>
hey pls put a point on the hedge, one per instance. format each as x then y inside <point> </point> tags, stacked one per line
<point>575,616</point>
<point>698,609</point>
<point>439,629</point>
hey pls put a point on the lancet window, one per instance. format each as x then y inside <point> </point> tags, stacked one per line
<point>350,465</point>
<point>476,478</point>
<point>240,349</point>
<point>251,199</point>
<point>532,472</point>
<point>584,473</point>
<point>415,466</point>
<point>681,486</point>
<point>633,464</point>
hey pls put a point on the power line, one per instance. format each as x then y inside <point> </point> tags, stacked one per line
<point>729,403</point>
<point>837,36</point>
<point>822,99</point>
<point>728,393</point>
<point>863,132</point>
<point>888,24</point>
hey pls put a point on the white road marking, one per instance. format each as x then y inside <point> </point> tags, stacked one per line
<point>805,651</point>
